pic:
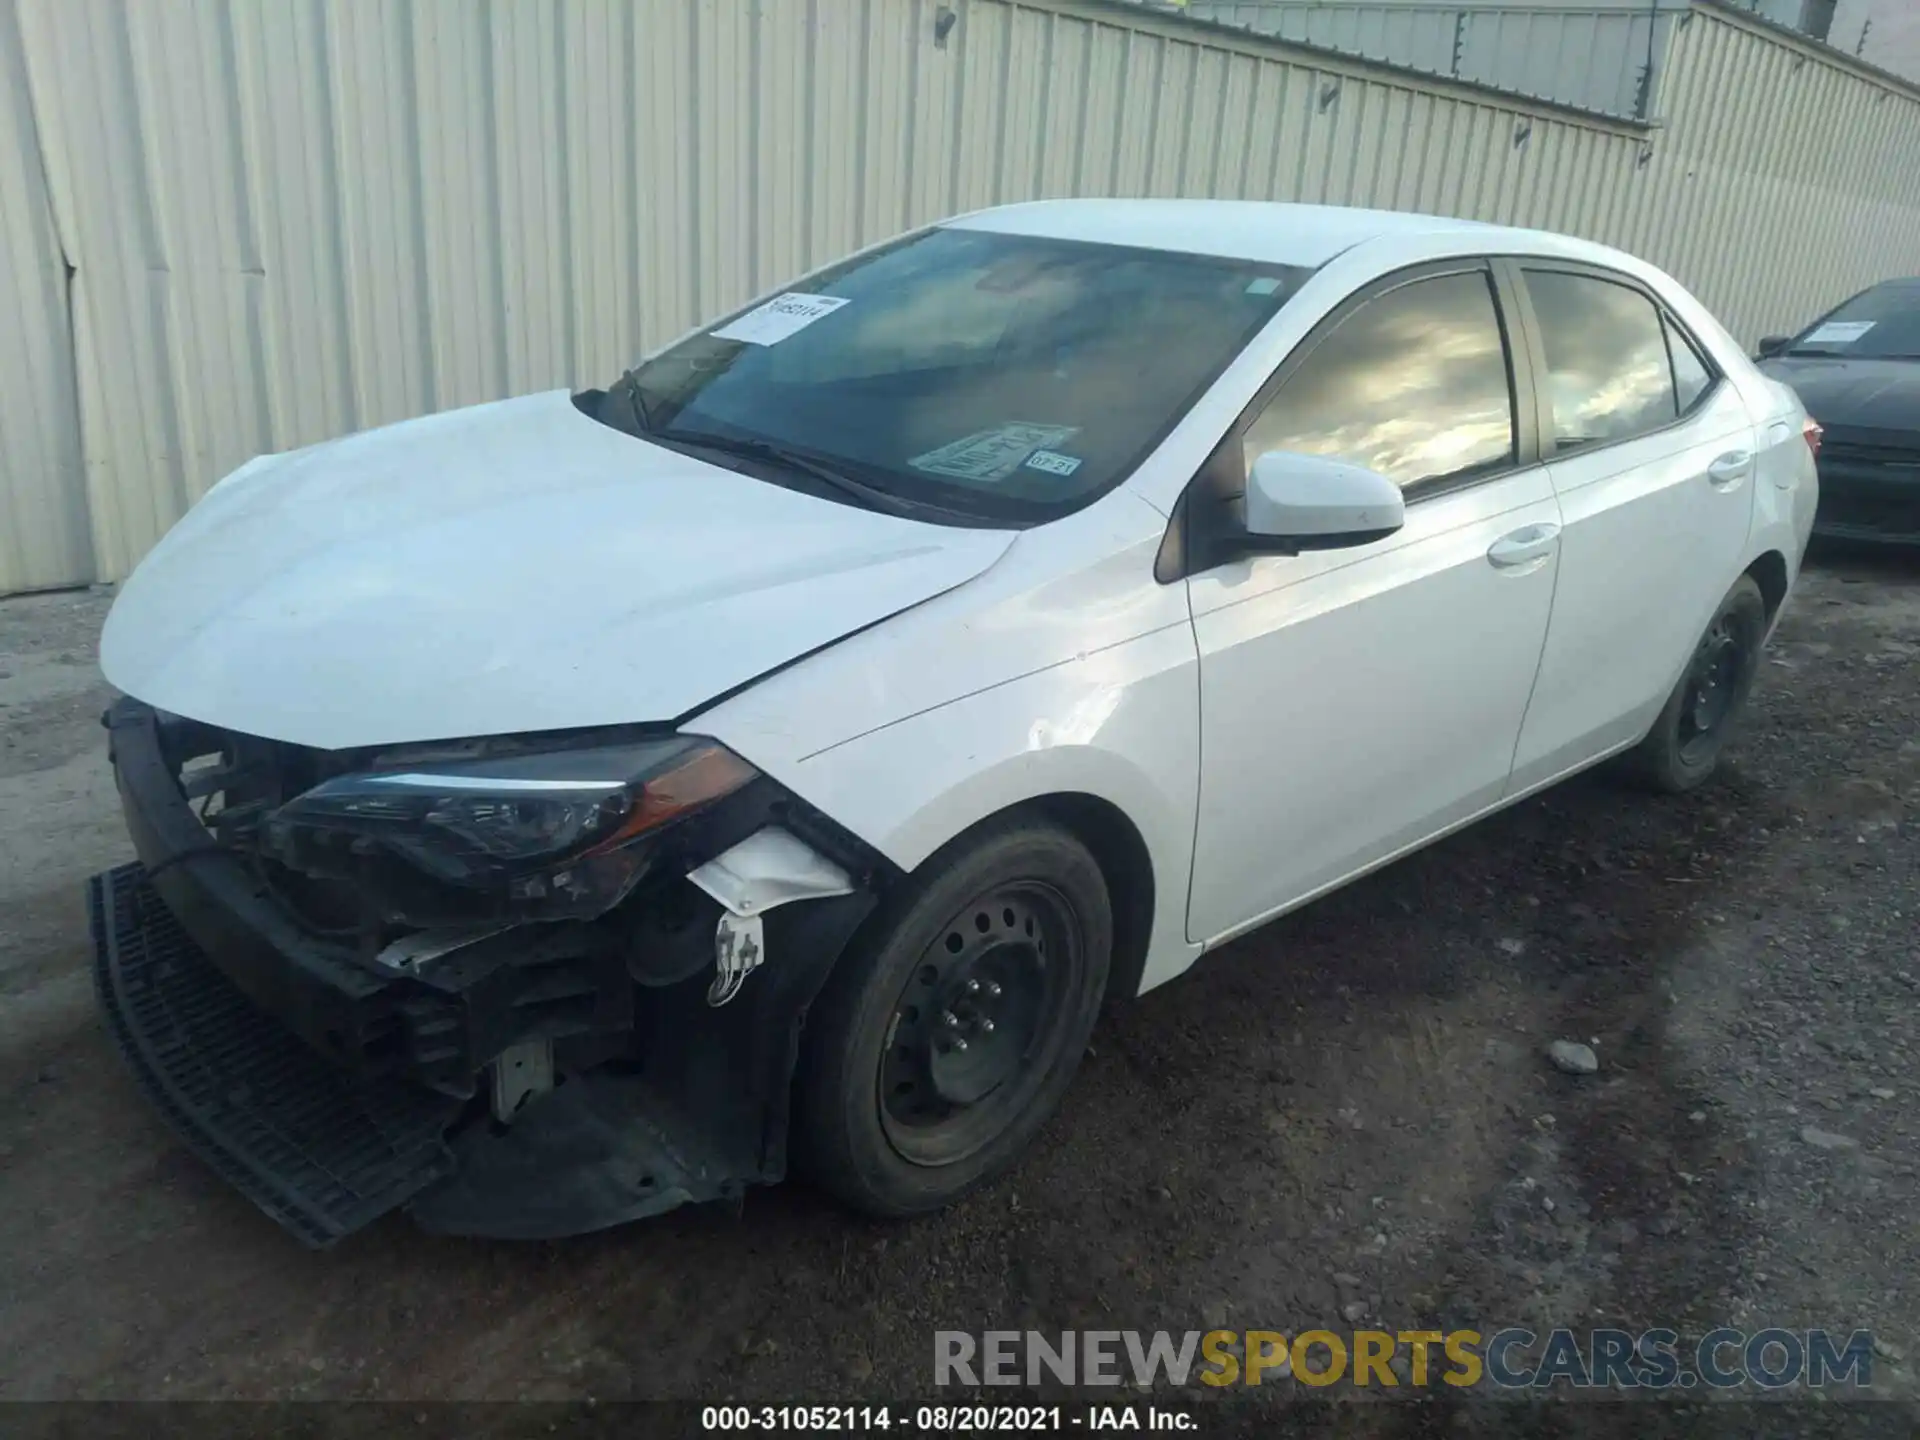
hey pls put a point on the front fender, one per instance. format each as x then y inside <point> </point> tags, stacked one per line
<point>1121,724</point>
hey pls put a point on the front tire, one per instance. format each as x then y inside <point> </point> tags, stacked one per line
<point>946,1037</point>
<point>1684,746</point>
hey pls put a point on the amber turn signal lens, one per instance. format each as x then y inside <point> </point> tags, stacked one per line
<point>701,777</point>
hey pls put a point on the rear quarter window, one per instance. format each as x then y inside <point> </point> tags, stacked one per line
<point>1692,376</point>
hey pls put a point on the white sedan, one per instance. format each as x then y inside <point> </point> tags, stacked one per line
<point>558,810</point>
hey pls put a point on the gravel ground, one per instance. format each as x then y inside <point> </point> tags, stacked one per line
<point>1348,1109</point>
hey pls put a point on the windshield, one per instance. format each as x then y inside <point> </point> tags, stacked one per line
<point>990,377</point>
<point>1882,324</point>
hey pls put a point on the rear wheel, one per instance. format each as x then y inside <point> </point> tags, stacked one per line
<point>1685,743</point>
<point>943,1042</point>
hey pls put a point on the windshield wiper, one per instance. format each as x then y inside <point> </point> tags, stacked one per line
<point>1806,354</point>
<point>629,385</point>
<point>771,453</point>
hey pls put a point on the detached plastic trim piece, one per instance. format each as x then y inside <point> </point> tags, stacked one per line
<point>321,1155</point>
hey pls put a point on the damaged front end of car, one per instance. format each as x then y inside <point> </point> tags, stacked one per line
<point>525,987</point>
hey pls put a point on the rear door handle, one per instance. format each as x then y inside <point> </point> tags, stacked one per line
<point>1524,550</point>
<point>1730,469</point>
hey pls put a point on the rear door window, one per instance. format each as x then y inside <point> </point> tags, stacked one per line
<point>1609,374</point>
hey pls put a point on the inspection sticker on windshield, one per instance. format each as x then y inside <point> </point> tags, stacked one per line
<point>1053,462</point>
<point>780,317</point>
<point>1839,332</point>
<point>994,454</point>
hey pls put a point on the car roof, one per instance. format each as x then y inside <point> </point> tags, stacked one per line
<point>1258,230</point>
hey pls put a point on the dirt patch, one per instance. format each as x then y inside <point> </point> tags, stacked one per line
<point>1347,1109</point>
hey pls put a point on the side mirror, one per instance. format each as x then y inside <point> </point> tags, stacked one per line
<point>1308,502</point>
<point>1773,345</point>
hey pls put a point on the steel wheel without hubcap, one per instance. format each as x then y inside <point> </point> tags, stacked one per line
<point>1713,685</point>
<point>948,1032</point>
<point>977,1010</point>
<point>1683,746</point>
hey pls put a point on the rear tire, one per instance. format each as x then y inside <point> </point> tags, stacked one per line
<point>1684,746</point>
<point>947,1035</point>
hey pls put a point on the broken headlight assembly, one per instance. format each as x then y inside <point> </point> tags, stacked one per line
<point>534,834</point>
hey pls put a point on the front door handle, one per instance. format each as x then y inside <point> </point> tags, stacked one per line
<point>1524,550</point>
<point>1730,469</point>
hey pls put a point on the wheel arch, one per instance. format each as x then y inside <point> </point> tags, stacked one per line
<point>1119,849</point>
<point>1769,572</point>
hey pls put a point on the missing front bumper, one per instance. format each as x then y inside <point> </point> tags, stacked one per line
<point>699,1118</point>
<point>331,1091</point>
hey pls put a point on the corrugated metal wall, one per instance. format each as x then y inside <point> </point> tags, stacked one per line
<point>1601,55</point>
<point>274,223</point>
<point>43,517</point>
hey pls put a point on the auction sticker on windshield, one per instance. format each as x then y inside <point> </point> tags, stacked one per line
<point>781,317</point>
<point>1839,332</point>
<point>992,454</point>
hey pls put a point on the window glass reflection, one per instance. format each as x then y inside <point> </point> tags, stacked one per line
<point>1412,385</point>
<point>1691,378</point>
<point>1608,374</point>
<point>996,376</point>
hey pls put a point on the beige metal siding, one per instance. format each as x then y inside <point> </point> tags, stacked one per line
<point>1785,181</point>
<point>291,220</point>
<point>43,518</point>
<point>1594,54</point>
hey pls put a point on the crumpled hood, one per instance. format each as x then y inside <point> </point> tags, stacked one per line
<point>505,568</point>
<point>1854,394</point>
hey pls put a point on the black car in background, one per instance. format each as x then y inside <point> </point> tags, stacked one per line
<point>1857,369</point>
